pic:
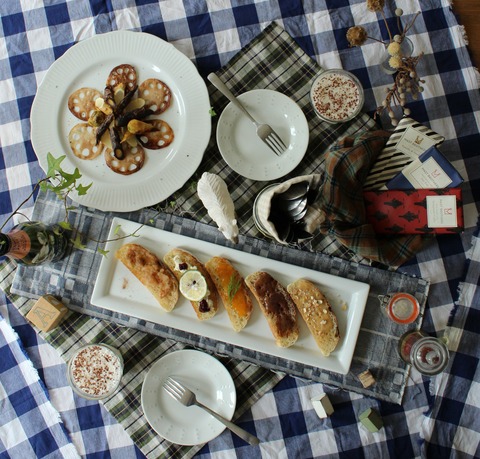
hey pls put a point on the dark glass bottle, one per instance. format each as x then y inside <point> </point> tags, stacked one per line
<point>34,243</point>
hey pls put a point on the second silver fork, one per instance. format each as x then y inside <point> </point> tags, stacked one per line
<point>264,131</point>
<point>188,398</point>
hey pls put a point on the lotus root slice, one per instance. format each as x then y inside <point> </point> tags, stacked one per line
<point>161,136</point>
<point>157,95</point>
<point>131,163</point>
<point>124,74</point>
<point>81,103</point>
<point>83,142</point>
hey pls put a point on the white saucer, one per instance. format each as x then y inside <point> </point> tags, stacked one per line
<point>245,152</point>
<point>204,375</point>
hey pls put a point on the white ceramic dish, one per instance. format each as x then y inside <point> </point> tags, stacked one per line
<point>245,152</point>
<point>118,290</point>
<point>205,376</point>
<point>87,64</point>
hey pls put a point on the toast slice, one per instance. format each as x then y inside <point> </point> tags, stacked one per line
<point>179,261</point>
<point>232,290</point>
<point>151,272</point>
<point>277,307</point>
<point>317,313</point>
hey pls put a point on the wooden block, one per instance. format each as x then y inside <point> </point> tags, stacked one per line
<point>366,379</point>
<point>47,313</point>
<point>322,406</point>
<point>371,420</point>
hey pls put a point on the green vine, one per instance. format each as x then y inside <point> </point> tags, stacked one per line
<point>63,183</point>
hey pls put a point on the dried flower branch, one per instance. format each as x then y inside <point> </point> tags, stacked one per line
<point>404,66</point>
<point>406,82</point>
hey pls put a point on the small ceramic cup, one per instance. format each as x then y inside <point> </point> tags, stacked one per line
<point>336,96</point>
<point>95,370</point>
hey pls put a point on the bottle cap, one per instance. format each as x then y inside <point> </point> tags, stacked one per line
<point>429,355</point>
<point>402,308</point>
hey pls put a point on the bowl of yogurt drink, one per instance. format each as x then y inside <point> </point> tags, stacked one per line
<point>336,96</point>
<point>95,370</point>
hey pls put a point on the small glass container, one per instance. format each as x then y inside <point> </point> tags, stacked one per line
<point>401,307</point>
<point>336,96</point>
<point>406,48</point>
<point>429,355</point>
<point>95,370</point>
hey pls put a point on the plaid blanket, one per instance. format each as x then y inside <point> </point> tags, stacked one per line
<point>346,168</point>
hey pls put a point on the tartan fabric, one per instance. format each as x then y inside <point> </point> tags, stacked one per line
<point>272,60</point>
<point>341,200</point>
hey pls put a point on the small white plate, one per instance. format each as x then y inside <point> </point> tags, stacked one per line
<point>205,376</point>
<point>245,152</point>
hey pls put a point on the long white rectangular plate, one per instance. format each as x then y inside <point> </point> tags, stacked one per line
<point>117,289</point>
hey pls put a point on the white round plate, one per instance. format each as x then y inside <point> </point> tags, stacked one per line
<point>204,375</point>
<point>88,64</point>
<point>245,152</point>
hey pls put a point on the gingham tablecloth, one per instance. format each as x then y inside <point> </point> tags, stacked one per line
<point>439,417</point>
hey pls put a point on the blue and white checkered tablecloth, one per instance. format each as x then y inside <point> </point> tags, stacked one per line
<point>439,417</point>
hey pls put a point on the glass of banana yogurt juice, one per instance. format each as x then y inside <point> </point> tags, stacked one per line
<point>336,96</point>
<point>95,371</point>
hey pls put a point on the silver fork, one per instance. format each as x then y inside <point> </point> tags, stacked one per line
<point>264,131</point>
<point>188,398</point>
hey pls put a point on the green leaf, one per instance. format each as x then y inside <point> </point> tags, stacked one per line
<point>65,225</point>
<point>54,164</point>
<point>77,243</point>
<point>117,229</point>
<point>103,252</point>
<point>76,174</point>
<point>212,112</point>
<point>82,190</point>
